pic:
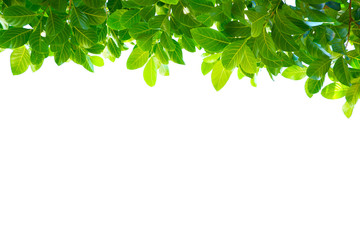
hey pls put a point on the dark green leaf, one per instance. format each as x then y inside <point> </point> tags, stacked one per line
<point>54,24</point>
<point>18,16</point>
<point>14,37</point>
<point>63,53</point>
<point>341,71</point>
<point>79,19</point>
<point>94,3</point>
<point>177,56</point>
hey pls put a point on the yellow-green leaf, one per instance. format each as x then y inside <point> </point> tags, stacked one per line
<point>19,60</point>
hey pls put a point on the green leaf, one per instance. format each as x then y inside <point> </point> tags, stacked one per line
<point>209,39</point>
<point>173,2</point>
<point>38,43</point>
<point>36,58</point>
<point>237,29</point>
<point>315,1</point>
<point>114,5</point>
<point>14,37</point>
<point>150,73</point>
<point>161,54</point>
<point>113,48</point>
<point>285,25</point>
<point>79,56</point>
<point>18,16</point>
<point>144,2</point>
<point>294,72</point>
<point>316,50</point>
<point>187,20</point>
<point>220,76</point>
<point>353,94</point>
<point>114,20</point>
<point>248,61</point>
<point>317,16</point>
<point>58,5</point>
<point>187,43</point>
<point>145,41</point>
<point>79,19</point>
<point>62,36</point>
<point>283,41</point>
<point>95,16</point>
<point>63,53</point>
<point>206,67</point>
<point>257,22</point>
<point>19,60</point>
<point>94,3</point>
<point>164,70</point>
<point>160,22</point>
<point>313,86</point>
<point>130,18</point>
<point>318,68</point>
<point>97,61</point>
<point>341,71</point>
<point>266,45</point>
<point>354,58</point>
<point>334,91</point>
<point>86,38</point>
<point>348,109</point>
<point>147,12</point>
<point>167,42</point>
<point>212,58</point>
<point>140,29</point>
<point>240,74</point>
<point>233,54</point>
<point>54,24</point>
<point>237,9</point>
<point>137,58</point>
<point>201,6</point>
<point>177,56</point>
<point>88,65</point>
<point>96,49</point>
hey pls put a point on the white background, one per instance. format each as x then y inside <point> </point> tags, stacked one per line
<point>104,156</point>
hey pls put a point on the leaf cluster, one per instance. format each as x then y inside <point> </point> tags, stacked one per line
<point>313,40</point>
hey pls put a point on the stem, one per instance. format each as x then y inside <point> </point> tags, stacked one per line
<point>350,21</point>
<point>70,4</point>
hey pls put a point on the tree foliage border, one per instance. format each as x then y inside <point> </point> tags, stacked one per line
<point>313,40</point>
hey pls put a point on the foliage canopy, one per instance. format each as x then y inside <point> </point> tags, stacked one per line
<point>312,39</point>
